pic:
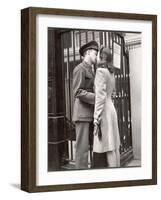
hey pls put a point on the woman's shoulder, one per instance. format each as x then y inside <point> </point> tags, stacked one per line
<point>101,73</point>
<point>101,69</point>
<point>102,65</point>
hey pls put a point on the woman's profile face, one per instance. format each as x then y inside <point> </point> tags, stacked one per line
<point>103,56</point>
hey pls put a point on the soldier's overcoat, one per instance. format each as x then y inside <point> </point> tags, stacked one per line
<point>83,83</point>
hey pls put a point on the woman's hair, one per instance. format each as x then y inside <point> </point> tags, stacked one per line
<point>106,54</point>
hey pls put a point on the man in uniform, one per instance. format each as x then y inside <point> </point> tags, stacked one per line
<point>84,98</point>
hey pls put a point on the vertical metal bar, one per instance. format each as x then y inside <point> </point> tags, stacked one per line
<point>93,35</point>
<point>73,47</point>
<point>64,92</point>
<point>105,40</point>
<point>80,43</point>
<point>111,39</point>
<point>86,36</point>
<point>125,98</point>
<point>101,37</point>
<point>54,99</point>
<point>73,39</point>
<point>118,86</point>
<point>120,101</point>
<point>112,36</point>
<point>109,36</point>
<point>70,114</point>
<point>63,71</point>
<point>129,97</point>
<point>123,92</point>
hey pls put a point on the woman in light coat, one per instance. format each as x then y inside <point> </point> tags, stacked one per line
<point>106,132</point>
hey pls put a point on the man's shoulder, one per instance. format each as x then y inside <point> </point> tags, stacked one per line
<point>79,67</point>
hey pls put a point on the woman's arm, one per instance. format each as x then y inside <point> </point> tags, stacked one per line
<point>100,93</point>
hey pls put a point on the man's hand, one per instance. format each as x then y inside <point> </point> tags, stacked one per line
<point>97,131</point>
<point>113,95</point>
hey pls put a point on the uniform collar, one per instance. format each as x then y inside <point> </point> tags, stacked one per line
<point>87,65</point>
<point>89,68</point>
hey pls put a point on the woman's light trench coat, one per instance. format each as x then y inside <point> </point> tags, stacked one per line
<point>105,112</point>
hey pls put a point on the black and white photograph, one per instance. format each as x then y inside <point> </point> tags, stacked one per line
<point>94,99</point>
<point>89,99</point>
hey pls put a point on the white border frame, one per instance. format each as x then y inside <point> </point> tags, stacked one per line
<point>43,177</point>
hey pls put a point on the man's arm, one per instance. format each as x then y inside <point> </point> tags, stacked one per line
<point>100,91</point>
<point>79,85</point>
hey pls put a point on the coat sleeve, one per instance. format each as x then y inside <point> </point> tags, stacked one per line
<point>79,85</point>
<point>100,94</point>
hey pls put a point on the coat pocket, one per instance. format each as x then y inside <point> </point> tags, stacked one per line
<point>88,76</point>
<point>85,110</point>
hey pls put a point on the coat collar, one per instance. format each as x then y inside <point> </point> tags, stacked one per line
<point>104,64</point>
<point>88,67</point>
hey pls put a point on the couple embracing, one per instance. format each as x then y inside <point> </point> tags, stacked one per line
<point>93,104</point>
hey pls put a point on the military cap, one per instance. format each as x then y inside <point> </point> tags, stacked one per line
<point>90,45</point>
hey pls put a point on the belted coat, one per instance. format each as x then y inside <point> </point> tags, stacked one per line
<point>105,112</point>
